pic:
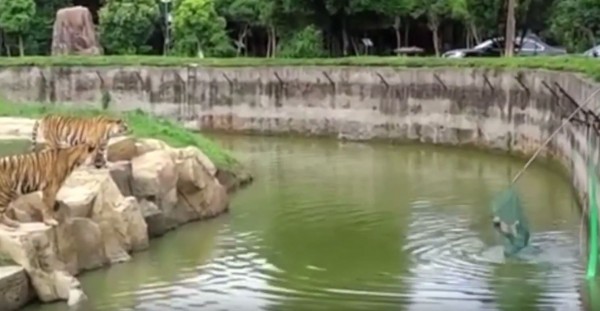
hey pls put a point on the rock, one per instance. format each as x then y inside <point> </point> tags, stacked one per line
<point>137,229</point>
<point>77,299</point>
<point>155,219</point>
<point>188,152</point>
<point>145,145</point>
<point>15,290</point>
<point>122,176</point>
<point>154,174</point>
<point>108,208</point>
<point>200,193</point>
<point>33,248</point>
<point>233,181</point>
<point>74,32</point>
<point>121,148</point>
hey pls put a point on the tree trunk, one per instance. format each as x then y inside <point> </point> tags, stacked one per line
<point>242,41</point>
<point>21,48</point>
<point>268,43</point>
<point>274,42</point>
<point>510,29</point>
<point>406,30</point>
<point>434,26</point>
<point>474,33</point>
<point>468,38</point>
<point>345,41</point>
<point>397,30</point>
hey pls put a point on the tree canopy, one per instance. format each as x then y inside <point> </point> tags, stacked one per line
<point>303,28</point>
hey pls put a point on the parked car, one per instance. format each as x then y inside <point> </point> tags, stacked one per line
<point>593,52</point>
<point>531,45</point>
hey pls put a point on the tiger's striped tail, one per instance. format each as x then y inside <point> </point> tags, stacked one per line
<point>34,135</point>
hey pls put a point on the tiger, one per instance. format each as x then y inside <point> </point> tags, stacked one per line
<point>64,131</point>
<point>44,171</point>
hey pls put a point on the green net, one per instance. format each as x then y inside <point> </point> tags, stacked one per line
<point>510,221</point>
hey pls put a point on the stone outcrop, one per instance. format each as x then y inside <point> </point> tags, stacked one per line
<point>107,214</point>
<point>14,288</point>
<point>74,32</point>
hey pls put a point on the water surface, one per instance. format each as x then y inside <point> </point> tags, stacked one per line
<point>346,226</point>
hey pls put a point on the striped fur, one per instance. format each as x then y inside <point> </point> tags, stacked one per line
<point>65,131</point>
<point>44,171</point>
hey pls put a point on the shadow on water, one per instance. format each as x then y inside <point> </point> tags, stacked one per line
<point>348,226</point>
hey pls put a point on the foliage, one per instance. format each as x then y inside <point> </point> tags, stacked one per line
<point>576,23</point>
<point>38,40</point>
<point>263,27</point>
<point>16,17</point>
<point>199,29</point>
<point>306,43</point>
<point>141,124</point>
<point>126,25</point>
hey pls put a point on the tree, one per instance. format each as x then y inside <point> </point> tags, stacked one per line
<point>198,29</point>
<point>510,29</point>
<point>15,18</point>
<point>435,11</point>
<point>245,13</point>
<point>576,23</point>
<point>126,25</point>
<point>306,43</point>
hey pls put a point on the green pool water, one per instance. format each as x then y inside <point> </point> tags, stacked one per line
<point>328,225</point>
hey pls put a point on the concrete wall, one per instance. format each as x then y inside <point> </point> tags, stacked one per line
<point>509,110</point>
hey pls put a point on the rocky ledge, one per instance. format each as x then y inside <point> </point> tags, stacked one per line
<point>107,214</point>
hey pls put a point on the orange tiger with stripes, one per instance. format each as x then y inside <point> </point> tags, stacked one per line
<point>65,131</point>
<point>44,171</point>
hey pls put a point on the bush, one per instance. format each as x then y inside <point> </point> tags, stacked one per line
<point>306,43</point>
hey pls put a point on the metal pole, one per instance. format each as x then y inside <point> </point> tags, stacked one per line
<point>565,121</point>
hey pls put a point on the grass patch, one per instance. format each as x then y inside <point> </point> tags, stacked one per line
<point>141,124</point>
<point>571,63</point>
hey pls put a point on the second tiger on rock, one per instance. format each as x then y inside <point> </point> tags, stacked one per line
<point>61,130</point>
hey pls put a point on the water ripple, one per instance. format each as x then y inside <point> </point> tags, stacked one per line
<point>354,227</point>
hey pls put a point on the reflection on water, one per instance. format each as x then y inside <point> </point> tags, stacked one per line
<point>345,226</point>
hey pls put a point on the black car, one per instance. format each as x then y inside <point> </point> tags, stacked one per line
<point>531,45</point>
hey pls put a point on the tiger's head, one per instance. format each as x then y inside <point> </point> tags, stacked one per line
<point>118,127</point>
<point>84,154</point>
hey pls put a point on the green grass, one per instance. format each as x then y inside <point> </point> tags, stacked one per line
<point>5,260</point>
<point>572,63</point>
<point>141,124</point>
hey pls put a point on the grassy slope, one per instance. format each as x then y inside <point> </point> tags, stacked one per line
<point>142,125</point>
<point>564,63</point>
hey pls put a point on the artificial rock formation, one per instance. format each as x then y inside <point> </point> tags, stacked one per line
<point>74,33</point>
<point>106,214</point>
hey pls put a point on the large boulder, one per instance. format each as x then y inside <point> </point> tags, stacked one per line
<point>98,226</point>
<point>180,182</point>
<point>15,291</point>
<point>74,32</point>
